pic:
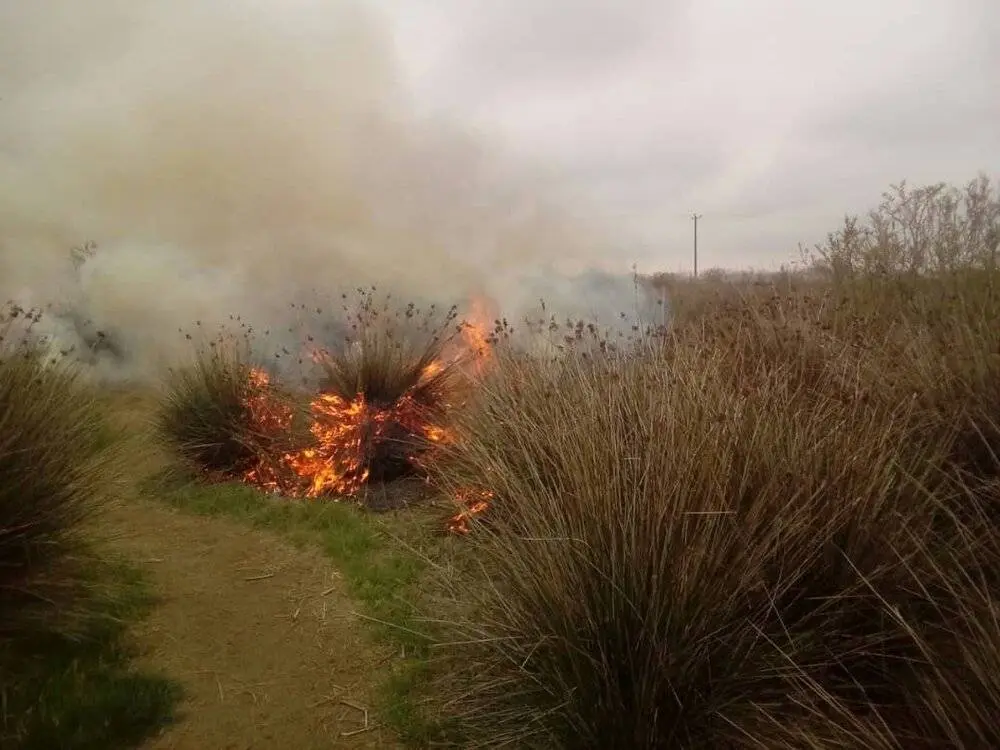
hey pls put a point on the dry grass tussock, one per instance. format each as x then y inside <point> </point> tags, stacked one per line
<point>207,411</point>
<point>394,352</point>
<point>56,467</point>
<point>775,527</point>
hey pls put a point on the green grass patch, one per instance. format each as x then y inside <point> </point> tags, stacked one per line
<point>82,690</point>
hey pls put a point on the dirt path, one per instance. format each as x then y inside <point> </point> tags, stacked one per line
<point>260,634</point>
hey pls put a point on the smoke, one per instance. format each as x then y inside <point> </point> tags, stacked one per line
<point>228,158</point>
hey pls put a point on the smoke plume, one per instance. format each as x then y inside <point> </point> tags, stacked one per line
<point>229,158</point>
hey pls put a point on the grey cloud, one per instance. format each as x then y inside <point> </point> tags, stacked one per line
<point>497,50</point>
<point>772,118</point>
<point>547,43</point>
<point>950,101</point>
<point>669,169</point>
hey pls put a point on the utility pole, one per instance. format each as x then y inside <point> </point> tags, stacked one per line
<point>696,217</point>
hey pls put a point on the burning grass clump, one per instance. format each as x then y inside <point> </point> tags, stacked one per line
<point>386,392</point>
<point>684,550</point>
<point>54,471</point>
<point>380,404</point>
<point>222,416</point>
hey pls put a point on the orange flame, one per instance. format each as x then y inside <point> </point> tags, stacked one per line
<point>475,334</point>
<point>334,464</point>
<point>342,432</point>
<point>476,503</point>
<point>270,417</point>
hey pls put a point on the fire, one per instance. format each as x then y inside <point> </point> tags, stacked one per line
<point>436,434</point>
<point>335,451</point>
<point>270,418</point>
<point>476,502</point>
<point>431,370</point>
<point>475,334</point>
<point>343,434</point>
<point>346,432</point>
<point>266,412</point>
<point>334,465</point>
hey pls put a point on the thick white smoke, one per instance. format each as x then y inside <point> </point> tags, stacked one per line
<point>230,157</point>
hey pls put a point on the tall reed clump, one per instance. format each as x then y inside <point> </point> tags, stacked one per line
<point>669,555</point>
<point>950,696</point>
<point>55,469</point>
<point>777,528</point>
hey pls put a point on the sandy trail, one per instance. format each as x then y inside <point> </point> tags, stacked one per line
<point>261,635</point>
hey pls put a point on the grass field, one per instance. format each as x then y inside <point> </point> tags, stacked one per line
<point>771,524</point>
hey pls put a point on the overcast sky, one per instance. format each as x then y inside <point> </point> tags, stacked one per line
<point>771,118</point>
